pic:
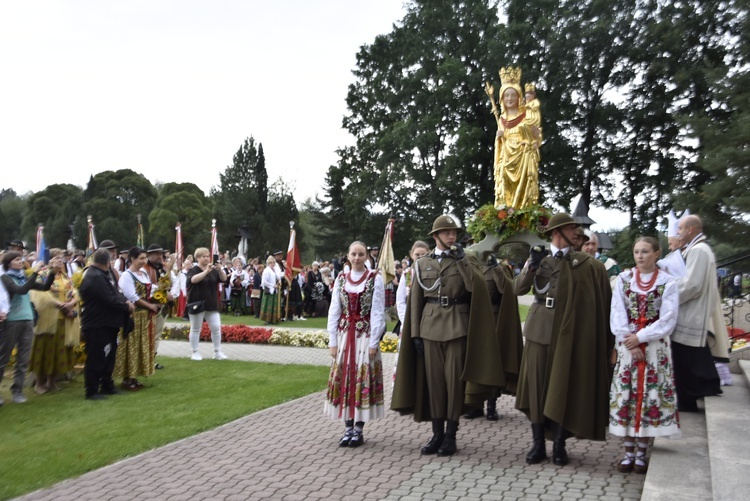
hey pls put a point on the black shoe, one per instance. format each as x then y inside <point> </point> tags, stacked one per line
<point>474,413</point>
<point>357,439</point>
<point>538,452</point>
<point>96,396</point>
<point>113,391</point>
<point>687,406</point>
<point>344,442</point>
<point>158,367</point>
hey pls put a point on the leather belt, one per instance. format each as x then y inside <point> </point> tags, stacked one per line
<point>548,302</point>
<point>445,301</point>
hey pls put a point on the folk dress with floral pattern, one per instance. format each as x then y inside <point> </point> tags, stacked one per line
<point>356,321</point>
<point>135,355</point>
<point>643,401</point>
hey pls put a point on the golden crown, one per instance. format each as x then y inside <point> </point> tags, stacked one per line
<point>530,87</point>
<point>510,76</point>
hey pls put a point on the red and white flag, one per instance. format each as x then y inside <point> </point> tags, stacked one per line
<point>178,246</point>
<point>293,264</point>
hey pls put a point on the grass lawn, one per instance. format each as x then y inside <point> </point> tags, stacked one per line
<point>60,435</point>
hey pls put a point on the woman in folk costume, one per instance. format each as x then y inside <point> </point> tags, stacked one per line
<point>418,249</point>
<point>643,401</point>
<point>58,330</point>
<point>135,353</point>
<point>270,310</point>
<point>356,321</point>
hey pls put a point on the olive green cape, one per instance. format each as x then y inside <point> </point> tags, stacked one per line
<point>508,329</point>
<point>578,370</point>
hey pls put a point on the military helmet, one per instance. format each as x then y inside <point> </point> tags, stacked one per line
<point>444,222</point>
<point>558,221</point>
<point>581,233</point>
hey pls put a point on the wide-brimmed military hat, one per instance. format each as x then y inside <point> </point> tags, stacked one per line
<point>581,233</point>
<point>154,248</point>
<point>107,244</point>
<point>558,221</point>
<point>444,222</point>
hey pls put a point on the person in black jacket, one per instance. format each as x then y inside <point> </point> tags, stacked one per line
<point>104,311</point>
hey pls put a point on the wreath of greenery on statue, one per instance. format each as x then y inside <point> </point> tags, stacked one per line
<point>506,222</point>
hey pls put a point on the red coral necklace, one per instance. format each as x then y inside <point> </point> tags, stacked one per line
<point>645,287</point>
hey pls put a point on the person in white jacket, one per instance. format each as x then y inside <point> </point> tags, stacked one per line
<point>699,322</point>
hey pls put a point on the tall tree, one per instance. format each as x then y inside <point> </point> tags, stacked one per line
<point>113,199</point>
<point>12,209</point>
<point>237,200</point>
<point>418,112</point>
<point>56,207</point>
<point>184,203</point>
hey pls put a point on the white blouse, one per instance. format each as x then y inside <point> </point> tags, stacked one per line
<point>668,308</point>
<point>268,281</point>
<point>402,294</point>
<point>128,286</point>
<point>377,312</point>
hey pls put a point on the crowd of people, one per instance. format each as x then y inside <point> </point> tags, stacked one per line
<point>601,349</point>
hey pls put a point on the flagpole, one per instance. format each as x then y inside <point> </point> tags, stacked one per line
<point>291,271</point>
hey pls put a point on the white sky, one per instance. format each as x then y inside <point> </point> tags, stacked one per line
<point>171,88</point>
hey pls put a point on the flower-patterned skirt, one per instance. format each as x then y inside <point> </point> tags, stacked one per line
<point>355,392</point>
<point>643,402</point>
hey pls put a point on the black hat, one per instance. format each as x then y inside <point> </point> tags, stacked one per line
<point>17,243</point>
<point>374,247</point>
<point>278,252</point>
<point>107,244</point>
<point>154,248</point>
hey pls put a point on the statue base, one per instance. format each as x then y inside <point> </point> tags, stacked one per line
<point>514,249</point>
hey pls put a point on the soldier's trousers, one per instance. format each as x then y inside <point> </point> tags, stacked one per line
<point>444,364</point>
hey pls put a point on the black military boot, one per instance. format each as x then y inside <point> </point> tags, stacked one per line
<point>474,413</point>
<point>559,455</point>
<point>438,434</point>
<point>538,452</point>
<point>448,448</point>
<point>492,409</point>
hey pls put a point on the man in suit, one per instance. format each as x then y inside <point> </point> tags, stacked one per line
<point>564,378</point>
<point>448,304</point>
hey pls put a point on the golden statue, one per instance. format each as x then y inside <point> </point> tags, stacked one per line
<point>517,141</point>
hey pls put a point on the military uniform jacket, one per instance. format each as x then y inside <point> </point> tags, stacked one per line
<point>544,280</point>
<point>441,314</point>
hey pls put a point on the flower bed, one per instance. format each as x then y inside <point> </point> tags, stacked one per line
<point>265,335</point>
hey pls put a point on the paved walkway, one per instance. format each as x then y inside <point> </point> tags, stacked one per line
<point>290,452</point>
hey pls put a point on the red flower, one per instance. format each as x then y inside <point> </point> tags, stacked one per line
<point>653,412</point>
<point>502,214</point>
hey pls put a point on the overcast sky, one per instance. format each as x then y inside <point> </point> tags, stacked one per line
<point>171,88</point>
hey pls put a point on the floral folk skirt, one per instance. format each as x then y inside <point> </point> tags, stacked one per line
<point>135,355</point>
<point>355,391</point>
<point>643,400</point>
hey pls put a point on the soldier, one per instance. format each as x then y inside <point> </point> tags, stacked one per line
<point>563,386</point>
<point>499,280</point>
<point>438,367</point>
